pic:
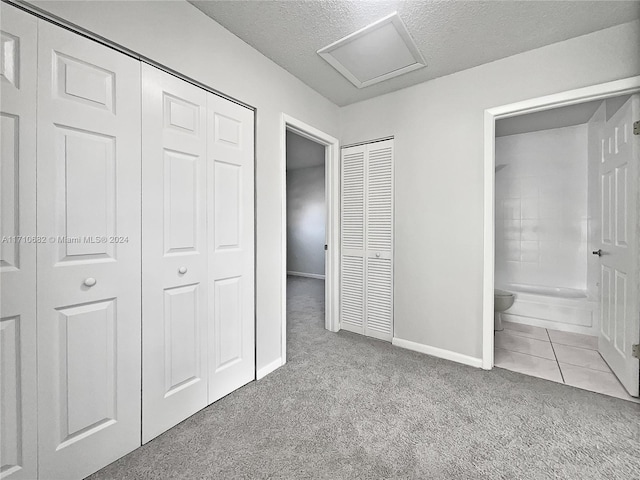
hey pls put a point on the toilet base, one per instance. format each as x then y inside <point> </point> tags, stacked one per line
<point>497,322</point>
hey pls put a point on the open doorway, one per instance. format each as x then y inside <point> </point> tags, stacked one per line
<point>566,245</point>
<point>310,220</point>
<point>306,235</point>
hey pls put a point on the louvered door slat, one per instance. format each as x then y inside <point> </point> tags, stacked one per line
<point>352,299</point>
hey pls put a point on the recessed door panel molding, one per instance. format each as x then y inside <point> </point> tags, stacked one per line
<point>230,211</point>
<point>605,302</point>
<point>174,258</point>
<point>86,369</point>
<point>227,322</point>
<point>86,186</point>
<point>10,190</point>
<point>181,329</point>
<point>367,239</point>
<point>18,376</point>
<point>620,281</point>
<point>228,196</point>
<point>181,209</point>
<point>81,81</point>
<point>89,299</point>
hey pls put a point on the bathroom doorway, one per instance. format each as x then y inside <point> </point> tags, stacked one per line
<point>566,250</point>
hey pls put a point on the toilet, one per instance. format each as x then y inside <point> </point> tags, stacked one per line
<point>501,301</point>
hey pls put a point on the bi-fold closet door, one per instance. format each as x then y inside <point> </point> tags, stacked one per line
<point>198,301</point>
<point>18,399</point>
<point>70,327</point>
<point>88,267</point>
<point>366,280</point>
<point>74,274</point>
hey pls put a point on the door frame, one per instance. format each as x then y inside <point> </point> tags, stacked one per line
<point>332,222</point>
<point>600,91</point>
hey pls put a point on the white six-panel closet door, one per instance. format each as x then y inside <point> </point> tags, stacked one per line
<point>174,253</point>
<point>230,220</point>
<point>18,409</point>
<point>89,268</point>
<point>367,240</point>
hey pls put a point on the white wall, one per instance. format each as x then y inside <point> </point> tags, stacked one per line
<point>306,212</point>
<point>438,128</point>
<point>541,208</point>
<point>178,35</point>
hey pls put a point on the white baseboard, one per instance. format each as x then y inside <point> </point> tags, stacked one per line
<point>267,369</point>
<point>437,352</point>
<point>308,275</point>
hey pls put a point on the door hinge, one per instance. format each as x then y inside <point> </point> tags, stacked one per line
<point>326,247</point>
<point>636,128</point>
<point>635,351</point>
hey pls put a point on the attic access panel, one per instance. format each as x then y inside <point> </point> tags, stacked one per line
<point>375,53</point>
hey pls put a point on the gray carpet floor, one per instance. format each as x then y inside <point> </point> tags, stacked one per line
<point>350,407</point>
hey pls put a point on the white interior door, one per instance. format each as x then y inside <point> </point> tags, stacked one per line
<point>379,235</point>
<point>174,253</point>
<point>366,281</point>
<point>352,229</point>
<point>89,342</point>
<point>230,175</point>
<point>619,283</point>
<point>18,408</point>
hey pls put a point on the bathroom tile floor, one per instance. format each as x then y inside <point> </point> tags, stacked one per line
<point>562,357</point>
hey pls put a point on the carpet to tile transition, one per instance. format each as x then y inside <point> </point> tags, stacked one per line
<point>350,407</point>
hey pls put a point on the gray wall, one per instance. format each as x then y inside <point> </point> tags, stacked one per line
<point>306,220</point>
<point>438,128</point>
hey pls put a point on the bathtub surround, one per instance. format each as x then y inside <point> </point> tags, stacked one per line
<point>541,208</point>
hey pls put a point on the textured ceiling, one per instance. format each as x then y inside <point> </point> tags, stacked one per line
<point>452,35</point>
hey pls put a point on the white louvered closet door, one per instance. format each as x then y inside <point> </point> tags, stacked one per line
<point>367,240</point>
<point>352,238</point>
<point>379,235</point>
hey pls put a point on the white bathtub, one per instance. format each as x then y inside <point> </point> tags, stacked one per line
<point>559,308</point>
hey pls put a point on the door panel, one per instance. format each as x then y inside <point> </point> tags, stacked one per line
<point>89,268</point>
<point>379,234</point>
<point>352,265</point>
<point>366,283</point>
<point>18,408</point>
<point>620,280</point>
<point>230,171</point>
<point>174,268</point>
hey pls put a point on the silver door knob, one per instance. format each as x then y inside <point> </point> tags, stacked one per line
<point>377,255</point>
<point>597,252</point>
<point>90,282</point>
<point>182,270</point>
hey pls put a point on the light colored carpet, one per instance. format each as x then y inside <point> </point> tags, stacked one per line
<point>349,407</point>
